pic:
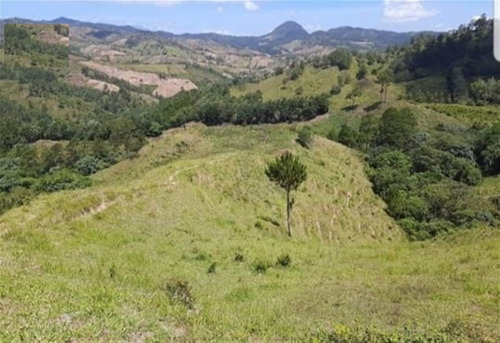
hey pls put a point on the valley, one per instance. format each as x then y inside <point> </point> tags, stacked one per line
<point>135,204</point>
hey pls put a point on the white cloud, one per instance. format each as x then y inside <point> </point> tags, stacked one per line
<point>251,6</point>
<point>220,9</point>
<point>406,10</point>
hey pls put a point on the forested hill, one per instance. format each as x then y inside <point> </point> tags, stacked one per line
<point>469,48</point>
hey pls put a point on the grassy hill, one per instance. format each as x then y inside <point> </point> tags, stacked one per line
<point>187,242</point>
<point>315,81</point>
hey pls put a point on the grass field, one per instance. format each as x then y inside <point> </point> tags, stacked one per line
<point>317,81</point>
<point>187,243</point>
<point>471,115</point>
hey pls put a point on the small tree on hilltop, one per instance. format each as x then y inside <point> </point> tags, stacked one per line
<point>287,172</point>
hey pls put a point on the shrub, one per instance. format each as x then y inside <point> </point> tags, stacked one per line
<point>305,137</point>
<point>211,269</point>
<point>239,257</point>
<point>260,267</point>
<point>284,260</point>
<point>335,90</point>
<point>332,135</point>
<point>348,136</point>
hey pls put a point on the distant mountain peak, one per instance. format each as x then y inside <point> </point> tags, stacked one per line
<point>288,28</point>
<point>287,32</point>
<point>64,20</point>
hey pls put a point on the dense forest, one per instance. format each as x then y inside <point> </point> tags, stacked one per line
<point>426,177</point>
<point>463,58</point>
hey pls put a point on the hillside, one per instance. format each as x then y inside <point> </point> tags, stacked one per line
<point>181,244</point>
<point>314,81</point>
<point>135,206</point>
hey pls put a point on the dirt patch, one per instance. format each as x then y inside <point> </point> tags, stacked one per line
<point>81,80</point>
<point>319,118</point>
<point>166,87</point>
<point>103,52</point>
<point>259,62</point>
<point>48,35</point>
<point>95,209</point>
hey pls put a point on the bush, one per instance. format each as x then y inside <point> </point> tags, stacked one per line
<point>89,165</point>
<point>239,257</point>
<point>211,269</point>
<point>305,137</point>
<point>335,90</point>
<point>260,267</point>
<point>348,136</point>
<point>284,260</point>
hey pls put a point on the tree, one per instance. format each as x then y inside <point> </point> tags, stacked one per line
<point>363,70</point>
<point>354,94</point>
<point>456,84</point>
<point>397,127</point>
<point>340,58</point>
<point>385,77</point>
<point>348,136</point>
<point>287,172</point>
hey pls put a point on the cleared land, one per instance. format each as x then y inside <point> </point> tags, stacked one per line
<point>165,87</point>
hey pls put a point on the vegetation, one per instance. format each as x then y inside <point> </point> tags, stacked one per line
<point>110,202</point>
<point>463,57</point>
<point>102,271</point>
<point>427,178</point>
<point>288,173</point>
<point>114,126</point>
<point>305,137</point>
<point>216,106</point>
<point>22,48</point>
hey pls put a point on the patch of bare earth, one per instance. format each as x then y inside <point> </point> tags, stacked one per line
<point>165,87</point>
<point>51,37</point>
<point>81,80</point>
<point>103,52</point>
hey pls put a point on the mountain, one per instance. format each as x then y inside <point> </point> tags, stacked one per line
<point>285,33</point>
<point>356,36</point>
<point>274,43</point>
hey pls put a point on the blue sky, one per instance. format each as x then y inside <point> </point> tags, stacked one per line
<point>254,17</point>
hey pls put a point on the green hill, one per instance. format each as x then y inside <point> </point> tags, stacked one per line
<point>315,81</point>
<point>187,242</point>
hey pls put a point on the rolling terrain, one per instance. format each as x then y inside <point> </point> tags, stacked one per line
<point>182,243</point>
<point>134,204</point>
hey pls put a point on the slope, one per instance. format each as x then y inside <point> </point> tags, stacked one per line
<point>182,243</point>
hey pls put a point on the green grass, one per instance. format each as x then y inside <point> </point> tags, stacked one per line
<point>318,81</point>
<point>313,81</point>
<point>471,115</point>
<point>107,263</point>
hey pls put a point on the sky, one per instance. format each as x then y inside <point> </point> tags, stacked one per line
<point>254,17</point>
